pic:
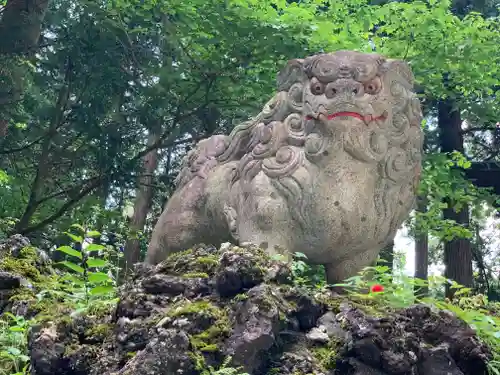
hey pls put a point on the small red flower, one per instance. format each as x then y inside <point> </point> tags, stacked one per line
<point>377,288</point>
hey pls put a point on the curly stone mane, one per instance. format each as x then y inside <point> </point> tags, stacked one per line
<point>283,136</point>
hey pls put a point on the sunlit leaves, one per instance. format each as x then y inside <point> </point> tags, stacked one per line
<point>441,180</point>
<point>70,251</point>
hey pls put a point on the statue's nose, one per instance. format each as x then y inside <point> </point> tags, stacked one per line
<point>347,88</point>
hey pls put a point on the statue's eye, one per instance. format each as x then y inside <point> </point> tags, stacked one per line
<point>373,87</point>
<point>317,87</point>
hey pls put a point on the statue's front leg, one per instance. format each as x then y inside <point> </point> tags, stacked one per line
<point>264,219</point>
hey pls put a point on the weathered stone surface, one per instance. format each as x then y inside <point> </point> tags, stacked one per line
<point>166,353</point>
<point>266,328</point>
<point>9,280</point>
<point>257,324</point>
<point>237,272</point>
<point>411,341</point>
<point>13,245</point>
<point>328,168</point>
<point>47,347</point>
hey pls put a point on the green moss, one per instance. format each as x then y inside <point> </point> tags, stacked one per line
<point>23,267</point>
<point>240,297</point>
<point>28,252</point>
<point>131,354</point>
<point>99,330</point>
<point>327,355</point>
<point>172,258</point>
<point>58,313</point>
<point>211,336</point>
<point>198,359</point>
<point>23,294</point>
<point>188,307</point>
<point>71,349</point>
<point>206,263</point>
<point>101,309</point>
<point>191,262</point>
<point>25,264</point>
<point>194,275</point>
<point>208,340</point>
<point>210,348</point>
<point>218,330</point>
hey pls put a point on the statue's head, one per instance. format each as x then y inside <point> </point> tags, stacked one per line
<point>358,104</point>
<point>347,84</point>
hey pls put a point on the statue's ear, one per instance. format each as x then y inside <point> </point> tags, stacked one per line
<point>292,73</point>
<point>401,68</point>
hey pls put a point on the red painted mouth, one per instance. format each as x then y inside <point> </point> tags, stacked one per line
<point>367,119</point>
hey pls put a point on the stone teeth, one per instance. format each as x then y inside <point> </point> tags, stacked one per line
<point>322,117</point>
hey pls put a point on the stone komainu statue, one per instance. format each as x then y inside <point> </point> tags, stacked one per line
<point>329,168</point>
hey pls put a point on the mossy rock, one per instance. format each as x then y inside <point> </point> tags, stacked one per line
<point>25,266</point>
<point>197,260</point>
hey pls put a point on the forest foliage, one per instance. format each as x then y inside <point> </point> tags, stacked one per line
<point>110,84</point>
<point>99,100</point>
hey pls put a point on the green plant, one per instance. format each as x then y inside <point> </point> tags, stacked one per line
<point>91,278</point>
<point>303,274</point>
<point>224,369</point>
<point>444,185</point>
<point>13,344</point>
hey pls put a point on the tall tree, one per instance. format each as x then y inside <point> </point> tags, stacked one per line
<point>422,248</point>
<point>457,252</point>
<point>144,195</point>
<point>20,27</point>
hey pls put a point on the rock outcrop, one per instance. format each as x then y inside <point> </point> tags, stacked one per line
<point>21,266</point>
<point>236,306</point>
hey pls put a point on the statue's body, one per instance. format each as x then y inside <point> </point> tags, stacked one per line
<point>329,168</point>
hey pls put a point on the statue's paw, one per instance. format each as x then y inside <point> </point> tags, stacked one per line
<point>232,221</point>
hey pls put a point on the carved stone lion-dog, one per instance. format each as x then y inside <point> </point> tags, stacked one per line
<point>328,168</point>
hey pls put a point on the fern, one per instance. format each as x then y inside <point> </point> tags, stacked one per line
<point>224,369</point>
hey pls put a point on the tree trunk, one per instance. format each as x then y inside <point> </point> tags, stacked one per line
<point>20,27</point>
<point>141,205</point>
<point>483,285</point>
<point>458,252</point>
<point>421,250</point>
<point>387,254</point>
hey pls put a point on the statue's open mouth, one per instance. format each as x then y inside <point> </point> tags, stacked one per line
<point>366,119</point>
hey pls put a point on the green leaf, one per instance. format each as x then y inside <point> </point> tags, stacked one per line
<point>17,329</point>
<point>70,251</point>
<point>94,247</point>
<point>97,277</point>
<point>14,351</point>
<point>78,226</point>
<point>93,233</point>
<point>101,290</point>
<point>78,239</point>
<point>94,262</point>
<point>73,266</point>
<point>4,177</point>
